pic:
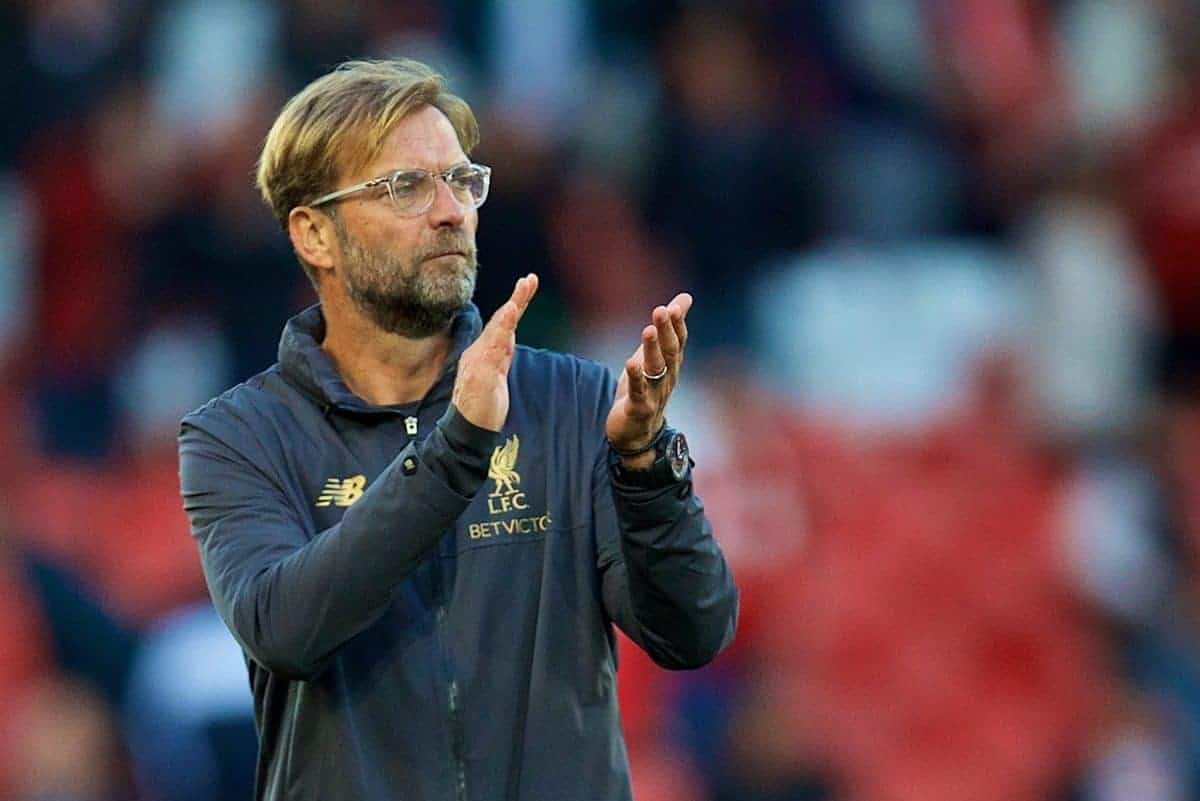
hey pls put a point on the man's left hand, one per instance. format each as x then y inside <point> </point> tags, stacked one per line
<point>641,403</point>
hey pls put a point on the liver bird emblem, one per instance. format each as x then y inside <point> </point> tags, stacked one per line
<point>502,469</point>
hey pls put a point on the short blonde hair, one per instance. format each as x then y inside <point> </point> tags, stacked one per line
<point>337,124</point>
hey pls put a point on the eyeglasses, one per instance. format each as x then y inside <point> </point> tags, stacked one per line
<point>412,191</point>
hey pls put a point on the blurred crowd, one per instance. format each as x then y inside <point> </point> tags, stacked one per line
<point>943,386</point>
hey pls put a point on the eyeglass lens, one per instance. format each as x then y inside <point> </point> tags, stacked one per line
<point>413,191</point>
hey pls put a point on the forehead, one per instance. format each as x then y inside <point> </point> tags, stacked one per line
<point>423,139</point>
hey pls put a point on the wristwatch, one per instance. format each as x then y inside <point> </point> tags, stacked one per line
<point>672,463</point>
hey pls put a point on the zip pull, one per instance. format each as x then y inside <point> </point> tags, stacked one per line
<point>410,426</point>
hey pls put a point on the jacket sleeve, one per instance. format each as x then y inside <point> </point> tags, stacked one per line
<point>289,598</point>
<point>664,579</point>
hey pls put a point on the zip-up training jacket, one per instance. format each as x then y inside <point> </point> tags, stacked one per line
<point>425,606</point>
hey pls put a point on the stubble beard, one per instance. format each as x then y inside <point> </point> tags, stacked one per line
<point>406,294</point>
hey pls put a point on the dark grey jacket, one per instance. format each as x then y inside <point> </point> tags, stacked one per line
<point>426,606</point>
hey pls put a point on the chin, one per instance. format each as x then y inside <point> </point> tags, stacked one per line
<point>455,290</point>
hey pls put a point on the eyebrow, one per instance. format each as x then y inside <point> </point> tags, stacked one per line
<point>464,163</point>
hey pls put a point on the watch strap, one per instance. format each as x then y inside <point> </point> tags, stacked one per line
<point>655,441</point>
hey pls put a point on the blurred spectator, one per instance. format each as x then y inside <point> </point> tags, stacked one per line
<point>62,669</point>
<point>889,169</point>
<point>1116,59</point>
<point>217,260</point>
<point>514,236</point>
<point>189,718</point>
<point>1179,461</point>
<point>538,61</point>
<point>1163,187</point>
<point>199,96</point>
<point>70,749</point>
<point>1094,319</point>
<point>25,659</point>
<point>772,754</point>
<point>58,57</point>
<point>727,181</point>
<point>16,246</point>
<point>318,35</point>
<point>1002,85</point>
<point>607,262</point>
<point>1111,537</point>
<point>95,188</point>
<point>1166,662</point>
<point>1134,757</point>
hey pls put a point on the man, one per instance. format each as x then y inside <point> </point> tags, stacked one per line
<point>419,533</point>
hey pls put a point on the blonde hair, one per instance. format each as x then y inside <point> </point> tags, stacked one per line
<point>337,124</point>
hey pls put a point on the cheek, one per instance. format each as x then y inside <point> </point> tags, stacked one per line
<point>470,223</point>
<point>396,237</point>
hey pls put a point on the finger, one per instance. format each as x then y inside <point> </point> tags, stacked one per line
<point>681,332</point>
<point>682,301</point>
<point>653,360</point>
<point>504,322</point>
<point>679,307</point>
<point>668,339</point>
<point>636,381</point>
<point>524,291</point>
<point>623,384</point>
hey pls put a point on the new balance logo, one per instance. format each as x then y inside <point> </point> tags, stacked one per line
<point>342,491</point>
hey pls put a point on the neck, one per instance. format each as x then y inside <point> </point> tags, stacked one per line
<point>378,366</point>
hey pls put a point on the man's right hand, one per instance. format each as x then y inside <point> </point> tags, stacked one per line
<point>481,388</point>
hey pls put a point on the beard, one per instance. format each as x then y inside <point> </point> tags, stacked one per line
<point>406,294</point>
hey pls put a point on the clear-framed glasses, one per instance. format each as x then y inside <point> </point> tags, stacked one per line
<point>412,191</point>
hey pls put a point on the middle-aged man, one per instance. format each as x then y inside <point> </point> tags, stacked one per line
<point>420,533</point>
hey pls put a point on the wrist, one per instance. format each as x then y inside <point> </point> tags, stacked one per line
<point>648,448</point>
<point>642,461</point>
<point>667,464</point>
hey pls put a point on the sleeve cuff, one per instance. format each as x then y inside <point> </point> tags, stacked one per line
<point>468,441</point>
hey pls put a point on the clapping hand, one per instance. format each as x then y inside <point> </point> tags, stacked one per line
<point>481,387</point>
<point>650,375</point>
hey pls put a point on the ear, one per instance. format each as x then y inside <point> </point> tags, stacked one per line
<point>313,237</point>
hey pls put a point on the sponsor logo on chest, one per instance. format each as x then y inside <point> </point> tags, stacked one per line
<point>507,497</point>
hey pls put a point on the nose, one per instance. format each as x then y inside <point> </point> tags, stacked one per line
<point>446,209</point>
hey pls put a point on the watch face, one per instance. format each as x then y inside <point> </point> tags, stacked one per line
<point>677,455</point>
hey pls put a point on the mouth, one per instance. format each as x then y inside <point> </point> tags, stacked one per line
<point>458,253</point>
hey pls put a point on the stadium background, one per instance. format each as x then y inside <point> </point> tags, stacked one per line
<point>942,385</point>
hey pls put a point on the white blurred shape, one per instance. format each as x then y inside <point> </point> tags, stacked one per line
<point>177,365</point>
<point>1092,318</point>
<point>1136,766</point>
<point>1109,523</point>
<point>540,60</point>
<point>1114,54</point>
<point>209,56</point>
<point>189,674</point>
<point>886,336</point>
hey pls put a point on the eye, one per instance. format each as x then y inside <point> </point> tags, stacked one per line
<point>406,184</point>
<point>467,179</point>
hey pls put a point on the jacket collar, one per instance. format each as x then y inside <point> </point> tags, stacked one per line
<point>304,362</point>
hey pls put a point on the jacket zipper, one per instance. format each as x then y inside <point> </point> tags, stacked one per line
<point>456,734</point>
<point>457,739</point>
